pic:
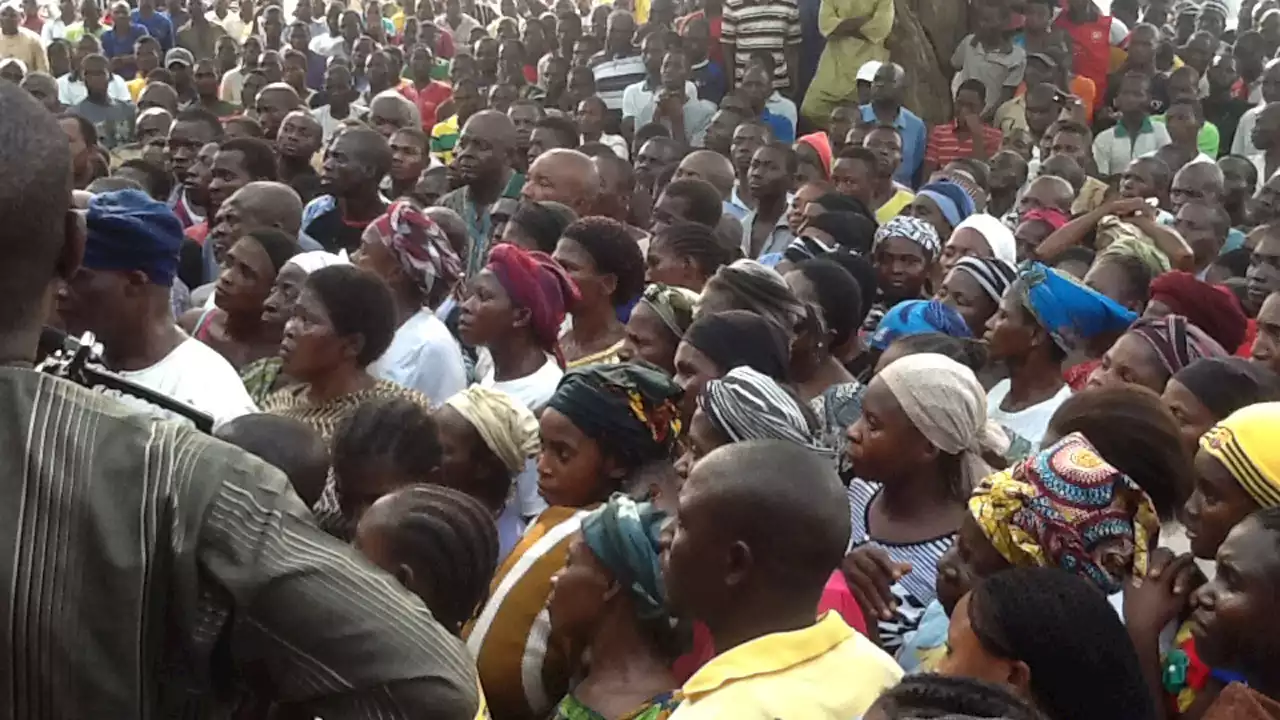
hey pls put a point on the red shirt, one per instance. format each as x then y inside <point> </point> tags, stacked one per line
<point>945,144</point>
<point>1091,48</point>
<point>33,23</point>
<point>430,98</point>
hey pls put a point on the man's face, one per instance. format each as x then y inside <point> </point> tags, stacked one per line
<point>590,116</point>
<point>487,56</point>
<point>1072,145</point>
<point>350,26</point>
<point>360,53</point>
<point>553,178</point>
<point>652,159</point>
<point>1191,187</point>
<point>387,116</point>
<point>273,105</point>
<point>746,140</point>
<point>842,120</point>
<point>185,140</point>
<point>887,145</point>
<point>581,84</point>
<point>1212,22</point>
<point>96,301</point>
<point>345,168</point>
<point>480,152</point>
<point>651,53</point>
<point>967,103</point>
<point>1222,73</point>
<point>756,86</point>
<point>501,96</point>
<point>1137,181</point>
<point>852,178</point>
<point>299,35</point>
<point>1183,124</point>
<point>295,70</point>
<point>1265,206</point>
<point>120,17</point>
<point>1195,223</point>
<point>9,21</point>
<point>273,23</point>
<point>885,87</point>
<point>620,31</point>
<point>1266,130</point>
<point>272,67</point>
<point>768,175</point>
<point>206,78</point>
<point>227,175</point>
<point>524,117</point>
<point>299,136</point>
<point>466,100</point>
<point>407,158</point>
<point>1133,96</point>
<point>337,83</point>
<point>675,72</point>
<point>95,77</point>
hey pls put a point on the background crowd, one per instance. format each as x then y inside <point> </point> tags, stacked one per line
<point>642,360</point>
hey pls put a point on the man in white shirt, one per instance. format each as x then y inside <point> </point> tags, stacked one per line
<point>1135,134</point>
<point>121,294</point>
<point>458,23</point>
<point>640,100</point>
<point>56,28</point>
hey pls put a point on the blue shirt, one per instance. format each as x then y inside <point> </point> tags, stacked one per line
<point>709,77</point>
<point>914,140</point>
<point>113,45</point>
<point>783,130</point>
<point>158,26</point>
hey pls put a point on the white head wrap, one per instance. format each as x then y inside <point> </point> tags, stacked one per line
<point>998,236</point>
<point>310,262</point>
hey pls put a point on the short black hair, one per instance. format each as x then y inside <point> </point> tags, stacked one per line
<point>565,129</point>
<point>613,251</point>
<point>974,86</point>
<point>393,432</point>
<point>1137,275</point>
<point>418,136</point>
<point>248,125</point>
<point>695,242</point>
<point>649,131</point>
<point>788,152</point>
<point>705,203</point>
<point>200,115</point>
<point>358,303</point>
<point>88,132</point>
<point>544,222</point>
<point>158,182</point>
<point>289,445</point>
<point>259,156</point>
<point>862,155</point>
<point>838,297</point>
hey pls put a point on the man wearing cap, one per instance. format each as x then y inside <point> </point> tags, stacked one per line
<point>886,108</point>
<point>20,43</point>
<point>179,62</point>
<point>866,75</point>
<point>121,294</point>
<point>117,43</point>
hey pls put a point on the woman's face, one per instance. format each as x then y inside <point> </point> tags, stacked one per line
<point>572,469</point>
<point>310,347</point>
<point>466,462</point>
<point>594,287</point>
<point>487,312</point>
<point>580,592</point>
<point>278,306</point>
<point>969,560</point>
<point>1217,504</point>
<point>966,656</point>
<point>965,242</point>
<point>1194,419</point>
<point>693,370</point>
<point>962,292</point>
<point>926,209</point>
<point>901,268</point>
<point>1130,361</point>
<point>649,339</point>
<point>246,279</point>
<point>664,266</point>
<point>1010,331</point>
<point>703,437</point>
<point>373,255</point>
<point>883,442</point>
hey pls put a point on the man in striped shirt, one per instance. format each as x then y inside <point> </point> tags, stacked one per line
<point>965,137</point>
<point>752,26</point>
<point>151,571</point>
<point>619,64</point>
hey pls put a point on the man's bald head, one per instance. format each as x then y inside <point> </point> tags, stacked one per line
<point>710,166</point>
<point>564,176</point>
<point>494,124</point>
<point>1047,191</point>
<point>1198,181</point>
<point>267,203</point>
<point>158,94</point>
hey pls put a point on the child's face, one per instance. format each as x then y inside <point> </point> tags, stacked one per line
<point>1133,98</point>
<point>1038,17</point>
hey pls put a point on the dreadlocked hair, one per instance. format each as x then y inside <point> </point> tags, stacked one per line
<point>450,542</point>
<point>936,696</point>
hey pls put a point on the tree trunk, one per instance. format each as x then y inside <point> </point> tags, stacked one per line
<point>925,33</point>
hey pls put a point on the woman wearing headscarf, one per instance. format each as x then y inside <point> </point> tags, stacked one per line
<point>1211,308</point>
<point>1151,351</point>
<point>915,317</point>
<point>656,325</point>
<point>236,326</point>
<point>1034,228</point>
<point>904,254</point>
<point>830,231</point>
<point>609,600</point>
<point>973,287</point>
<point>413,257</point>
<point>486,438</point>
<point>715,344</point>
<point>942,204</point>
<point>813,152</point>
<point>263,377</point>
<point>917,450</point>
<point>748,285</point>
<point>603,424</point>
<point>983,236</point>
<point>1208,390</point>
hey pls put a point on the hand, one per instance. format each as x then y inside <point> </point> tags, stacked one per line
<point>670,102</point>
<point>849,28</point>
<point>1153,602</point>
<point>870,574</point>
<point>971,122</point>
<point>1130,208</point>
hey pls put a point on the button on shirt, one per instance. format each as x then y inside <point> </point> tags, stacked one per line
<point>914,141</point>
<point>1115,147</point>
<point>790,675</point>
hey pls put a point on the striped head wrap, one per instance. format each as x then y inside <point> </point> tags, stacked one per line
<point>1246,446</point>
<point>624,536</point>
<point>993,275</point>
<point>1176,341</point>
<point>953,201</point>
<point>748,405</point>
<point>505,425</point>
<point>914,229</point>
<point>420,246</point>
<point>1066,507</point>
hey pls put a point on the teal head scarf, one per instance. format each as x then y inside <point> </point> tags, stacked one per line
<point>623,535</point>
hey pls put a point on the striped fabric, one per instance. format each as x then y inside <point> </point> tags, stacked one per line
<point>613,77</point>
<point>945,144</point>
<point>524,670</point>
<point>916,589</point>
<point>148,569</point>
<point>755,26</point>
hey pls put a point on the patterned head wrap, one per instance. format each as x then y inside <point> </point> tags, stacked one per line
<point>1245,444</point>
<point>947,404</point>
<point>505,424</point>
<point>747,405</point>
<point>419,244</point>
<point>914,229</point>
<point>674,305</point>
<point>1067,308</point>
<point>1066,507</point>
<point>624,536</point>
<point>631,410</point>
<point>1211,308</point>
<point>761,290</point>
<point>1177,342</point>
<point>917,317</point>
<point>537,283</point>
<point>993,275</point>
<point>1127,240</point>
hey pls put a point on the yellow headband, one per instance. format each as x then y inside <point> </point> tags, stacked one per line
<point>1247,444</point>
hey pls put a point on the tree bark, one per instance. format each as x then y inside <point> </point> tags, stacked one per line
<point>925,34</point>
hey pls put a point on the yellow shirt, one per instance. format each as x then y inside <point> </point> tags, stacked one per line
<point>826,671</point>
<point>135,87</point>
<point>890,209</point>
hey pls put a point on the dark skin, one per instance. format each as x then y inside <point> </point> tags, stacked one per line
<point>902,269</point>
<point>595,324</point>
<point>238,329</point>
<point>483,150</point>
<point>1014,338</point>
<point>315,353</point>
<point>769,178</point>
<point>962,292</point>
<point>489,318</point>
<point>1130,361</point>
<point>1266,347</point>
<point>813,367</point>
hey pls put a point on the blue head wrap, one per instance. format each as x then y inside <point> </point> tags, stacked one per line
<point>917,317</point>
<point>1069,310</point>
<point>623,534</point>
<point>951,199</point>
<point>127,230</point>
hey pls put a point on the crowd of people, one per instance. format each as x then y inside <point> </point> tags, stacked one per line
<point>640,361</point>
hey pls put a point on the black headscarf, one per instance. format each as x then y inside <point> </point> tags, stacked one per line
<point>735,338</point>
<point>1226,384</point>
<point>630,410</point>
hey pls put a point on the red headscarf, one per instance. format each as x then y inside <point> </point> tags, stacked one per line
<point>822,145</point>
<point>536,282</point>
<point>1212,309</point>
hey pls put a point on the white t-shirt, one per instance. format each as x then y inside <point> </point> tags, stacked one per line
<point>423,356</point>
<point>329,124</point>
<point>197,375</point>
<point>534,391</point>
<point>72,92</point>
<point>1030,423</point>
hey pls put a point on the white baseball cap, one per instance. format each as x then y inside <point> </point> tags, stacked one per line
<point>868,71</point>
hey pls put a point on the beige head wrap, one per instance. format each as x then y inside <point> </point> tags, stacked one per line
<point>947,404</point>
<point>505,424</point>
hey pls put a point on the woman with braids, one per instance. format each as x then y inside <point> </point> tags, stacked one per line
<point>656,325</point>
<point>916,450</point>
<point>715,344</point>
<point>237,327</point>
<point>486,439</point>
<point>413,257</point>
<point>605,263</point>
<point>1049,637</point>
<point>933,696</point>
<point>513,314</point>
<point>604,425</point>
<point>685,255</point>
<point>609,599</point>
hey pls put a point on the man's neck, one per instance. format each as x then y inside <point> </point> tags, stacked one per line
<point>363,206</point>
<point>99,98</point>
<point>1033,379</point>
<point>882,191</point>
<point>401,188</point>
<point>771,207</point>
<point>145,347</point>
<point>208,101</point>
<point>339,109</point>
<point>1133,123</point>
<point>291,167</point>
<point>1001,201</point>
<point>885,110</point>
<point>485,190</point>
<point>729,631</point>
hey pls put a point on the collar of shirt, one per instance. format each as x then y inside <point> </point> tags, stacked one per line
<point>769,654</point>
<point>781,230</point>
<point>899,120</point>
<point>1147,127</point>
